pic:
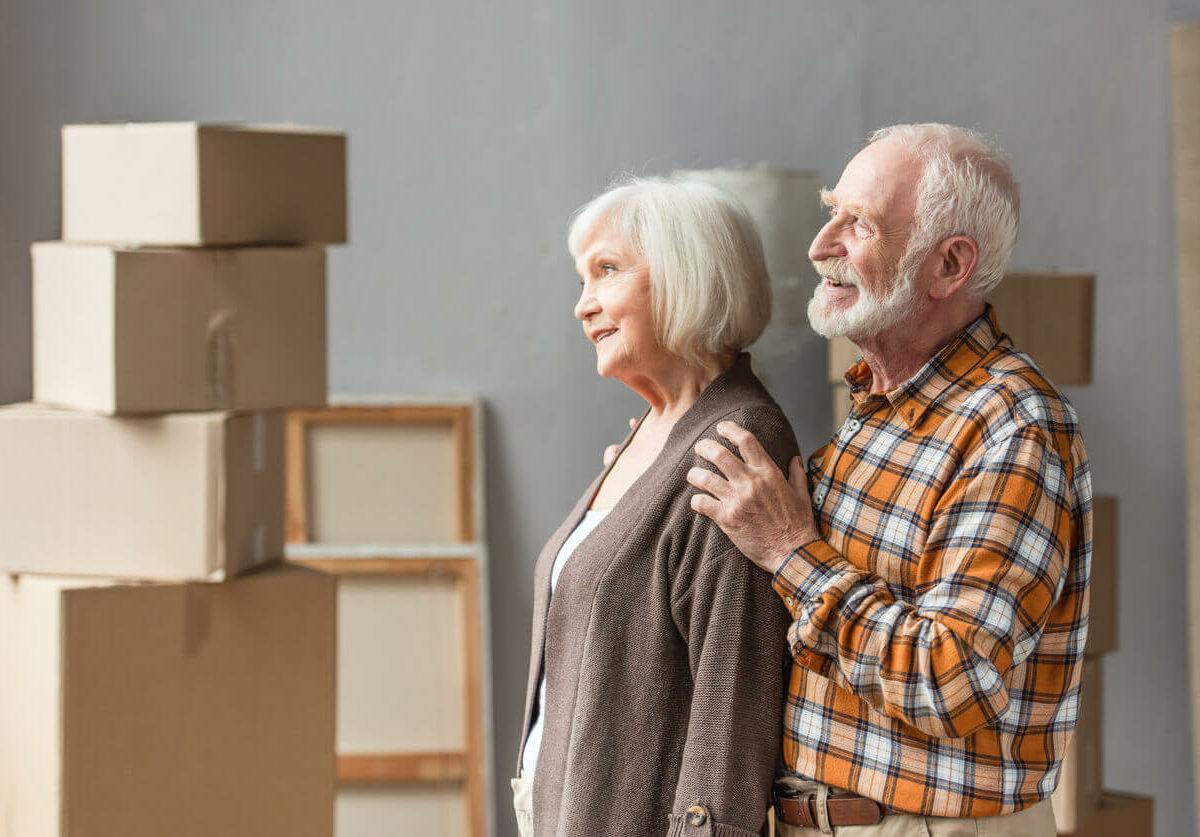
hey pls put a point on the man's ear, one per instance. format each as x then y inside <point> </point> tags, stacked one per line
<point>956,258</point>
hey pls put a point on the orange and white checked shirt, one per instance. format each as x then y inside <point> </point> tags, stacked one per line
<point>939,623</point>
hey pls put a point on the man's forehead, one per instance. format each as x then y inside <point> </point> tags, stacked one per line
<point>883,177</point>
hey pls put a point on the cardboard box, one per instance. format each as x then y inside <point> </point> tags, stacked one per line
<point>842,355</point>
<point>188,710</point>
<point>1049,317</point>
<point>1120,815</point>
<point>1081,774</point>
<point>178,497</point>
<point>167,330</point>
<point>182,183</point>
<point>1102,610</point>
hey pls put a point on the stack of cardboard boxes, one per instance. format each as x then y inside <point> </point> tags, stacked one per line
<point>1049,316</point>
<point>161,675</point>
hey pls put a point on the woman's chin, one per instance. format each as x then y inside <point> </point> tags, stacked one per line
<point>606,370</point>
<point>608,366</point>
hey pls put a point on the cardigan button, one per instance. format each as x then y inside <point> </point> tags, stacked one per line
<point>697,815</point>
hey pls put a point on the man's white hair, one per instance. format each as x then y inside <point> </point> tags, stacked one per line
<point>709,287</point>
<point>966,188</point>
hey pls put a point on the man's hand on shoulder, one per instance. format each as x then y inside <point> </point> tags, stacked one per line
<point>765,514</point>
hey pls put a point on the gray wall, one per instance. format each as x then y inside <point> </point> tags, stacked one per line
<point>475,130</point>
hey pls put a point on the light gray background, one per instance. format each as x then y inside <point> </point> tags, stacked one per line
<point>477,127</point>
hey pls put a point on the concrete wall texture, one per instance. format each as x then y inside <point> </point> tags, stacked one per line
<point>475,129</point>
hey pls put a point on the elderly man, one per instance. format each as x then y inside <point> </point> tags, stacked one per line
<point>937,574</point>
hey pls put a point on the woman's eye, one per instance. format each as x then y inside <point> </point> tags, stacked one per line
<point>607,269</point>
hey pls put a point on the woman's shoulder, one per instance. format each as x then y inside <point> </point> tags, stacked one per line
<point>739,396</point>
<point>766,421</point>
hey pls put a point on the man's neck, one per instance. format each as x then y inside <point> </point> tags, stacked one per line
<point>897,354</point>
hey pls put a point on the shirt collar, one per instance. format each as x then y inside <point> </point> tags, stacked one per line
<point>912,399</point>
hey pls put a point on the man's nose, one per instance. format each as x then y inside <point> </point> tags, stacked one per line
<point>826,245</point>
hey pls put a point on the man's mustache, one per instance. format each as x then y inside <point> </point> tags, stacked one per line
<point>839,270</point>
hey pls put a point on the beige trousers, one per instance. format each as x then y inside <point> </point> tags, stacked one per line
<point>1034,821</point>
<point>523,804</point>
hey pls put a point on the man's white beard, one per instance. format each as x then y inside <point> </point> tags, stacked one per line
<point>869,315</point>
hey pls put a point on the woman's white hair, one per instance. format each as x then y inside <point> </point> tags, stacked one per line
<point>709,288</point>
<point>967,188</point>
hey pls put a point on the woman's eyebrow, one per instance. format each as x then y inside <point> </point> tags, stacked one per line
<point>606,255</point>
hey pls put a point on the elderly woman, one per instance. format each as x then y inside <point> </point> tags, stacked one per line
<point>655,680</point>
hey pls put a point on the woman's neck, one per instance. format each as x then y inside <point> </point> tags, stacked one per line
<point>672,388</point>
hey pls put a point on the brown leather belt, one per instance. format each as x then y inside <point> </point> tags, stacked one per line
<point>844,809</point>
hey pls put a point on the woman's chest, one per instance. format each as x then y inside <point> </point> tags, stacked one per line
<point>634,461</point>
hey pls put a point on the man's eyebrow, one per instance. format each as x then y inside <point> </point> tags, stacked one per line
<point>857,209</point>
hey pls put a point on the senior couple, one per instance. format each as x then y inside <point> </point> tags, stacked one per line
<point>887,642</point>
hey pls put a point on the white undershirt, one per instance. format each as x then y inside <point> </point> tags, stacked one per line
<point>591,519</point>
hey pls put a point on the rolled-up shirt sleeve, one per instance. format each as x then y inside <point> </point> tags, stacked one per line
<point>991,570</point>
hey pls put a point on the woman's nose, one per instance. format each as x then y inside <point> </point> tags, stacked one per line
<point>587,305</point>
<point>826,245</point>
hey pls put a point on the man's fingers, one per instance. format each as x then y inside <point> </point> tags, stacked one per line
<point>707,506</point>
<point>747,445</point>
<point>797,477</point>
<point>706,480</point>
<point>610,452</point>
<point>725,460</point>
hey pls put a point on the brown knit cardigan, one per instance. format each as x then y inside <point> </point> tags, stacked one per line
<point>663,649</point>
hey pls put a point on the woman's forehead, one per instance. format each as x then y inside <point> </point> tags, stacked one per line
<point>604,237</point>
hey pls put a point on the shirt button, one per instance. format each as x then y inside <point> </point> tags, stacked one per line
<point>851,427</point>
<point>789,602</point>
<point>819,497</point>
<point>697,815</point>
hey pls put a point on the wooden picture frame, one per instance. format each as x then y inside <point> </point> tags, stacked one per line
<point>457,419</point>
<point>464,768</point>
<point>385,755</point>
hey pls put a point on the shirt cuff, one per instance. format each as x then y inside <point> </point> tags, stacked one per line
<point>808,572</point>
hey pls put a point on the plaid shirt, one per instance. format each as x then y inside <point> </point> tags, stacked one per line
<point>939,623</point>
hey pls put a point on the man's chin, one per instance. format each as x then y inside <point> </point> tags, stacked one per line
<point>830,324</point>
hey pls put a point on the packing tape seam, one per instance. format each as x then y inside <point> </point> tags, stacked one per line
<point>220,358</point>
